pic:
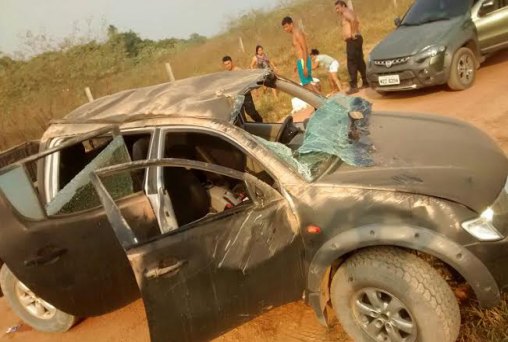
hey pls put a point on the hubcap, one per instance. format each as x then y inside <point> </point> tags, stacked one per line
<point>465,69</point>
<point>383,316</point>
<point>34,305</point>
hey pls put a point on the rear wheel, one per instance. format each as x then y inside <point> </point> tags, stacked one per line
<point>463,69</point>
<point>32,309</point>
<point>388,294</point>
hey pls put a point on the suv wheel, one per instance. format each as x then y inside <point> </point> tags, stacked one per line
<point>463,69</point>
<point>33,310</point>
<point>388,294</point>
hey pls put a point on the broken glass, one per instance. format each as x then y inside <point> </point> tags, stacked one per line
<point>331,132</point>
<point>79,194</point>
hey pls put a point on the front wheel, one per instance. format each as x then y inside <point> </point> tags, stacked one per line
<point>33,310</point>
<point>387,294</point>
<point>463,69</point>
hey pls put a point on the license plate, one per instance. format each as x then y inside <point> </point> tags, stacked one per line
<point>389,80</point>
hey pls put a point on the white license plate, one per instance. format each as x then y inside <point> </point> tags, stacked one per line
<point>389,80</point>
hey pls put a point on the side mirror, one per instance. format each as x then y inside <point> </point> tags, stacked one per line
<point>397,21</point>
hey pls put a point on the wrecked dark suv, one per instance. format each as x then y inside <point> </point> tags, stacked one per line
<point>169,191</point>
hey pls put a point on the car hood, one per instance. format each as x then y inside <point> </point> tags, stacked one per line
<point>409,40</point>
<point>429,155</point>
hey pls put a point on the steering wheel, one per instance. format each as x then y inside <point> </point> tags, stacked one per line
<point>288,122</point>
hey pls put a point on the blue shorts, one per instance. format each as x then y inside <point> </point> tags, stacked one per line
<point>299,66</point>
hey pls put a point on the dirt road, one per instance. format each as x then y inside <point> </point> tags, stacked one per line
<point>485,105</point>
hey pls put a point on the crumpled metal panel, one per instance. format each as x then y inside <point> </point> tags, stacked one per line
<point>255,241</point>
<point>210,96</point>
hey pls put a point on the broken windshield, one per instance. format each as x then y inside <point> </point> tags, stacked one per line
<point>426,11</point>
<point>331,133</point>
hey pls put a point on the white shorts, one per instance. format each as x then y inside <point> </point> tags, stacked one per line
<point>334,67</point>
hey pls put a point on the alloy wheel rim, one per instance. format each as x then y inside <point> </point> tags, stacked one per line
<point>465,69</point>
<point>383,316</point>
<point>33,304</point>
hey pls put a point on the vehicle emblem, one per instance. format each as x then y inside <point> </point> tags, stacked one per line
<point>388,64</point>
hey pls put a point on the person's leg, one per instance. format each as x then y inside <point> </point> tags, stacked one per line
<point>352,68</point>
<point>250,109</point>
<point>274,92</point>
<point>334,69</point>
<point>331,83</point>
<point>301,75</point>
<point>336,80</point>
<point>362,67</point>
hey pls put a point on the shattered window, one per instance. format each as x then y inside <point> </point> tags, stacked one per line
<point>78,194</point>
<point>331,132</point>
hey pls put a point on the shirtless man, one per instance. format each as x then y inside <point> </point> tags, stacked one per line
<point>303,62</point>
<point>354,46</point>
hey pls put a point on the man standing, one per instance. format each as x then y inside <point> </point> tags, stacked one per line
<point>248,102</point>
<point>354,46</point>
<point>303,62</point>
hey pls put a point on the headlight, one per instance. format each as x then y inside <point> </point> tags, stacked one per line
<point>429,51</point>
<point>482,228</point>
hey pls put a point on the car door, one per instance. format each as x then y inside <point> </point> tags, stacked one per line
<point>491,20</point>
<point>70,258</point>
<point>203,278</point>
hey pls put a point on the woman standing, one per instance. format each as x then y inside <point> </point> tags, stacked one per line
<point>262,61</point>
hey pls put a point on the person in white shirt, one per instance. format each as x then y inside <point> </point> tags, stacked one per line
<point>331,65</point>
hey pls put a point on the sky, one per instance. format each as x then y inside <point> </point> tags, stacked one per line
<point>152,19</point>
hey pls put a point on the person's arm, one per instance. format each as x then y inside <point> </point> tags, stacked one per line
<point>253,63</point>
<point>303,45</point>
<point>315,63</point>
<point>272,65</point>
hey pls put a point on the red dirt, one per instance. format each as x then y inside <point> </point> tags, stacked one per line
<point>484,105</point>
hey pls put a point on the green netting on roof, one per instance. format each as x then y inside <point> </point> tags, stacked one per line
<point>328,134</point>
<point>328,131</point>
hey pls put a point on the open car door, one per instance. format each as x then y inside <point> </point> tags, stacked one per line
<point>63,250</point>
<point>207,276</point>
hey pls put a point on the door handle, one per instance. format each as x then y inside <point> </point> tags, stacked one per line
<point>160,271</point>
<point>46,257</point>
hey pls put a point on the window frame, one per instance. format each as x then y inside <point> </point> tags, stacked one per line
<point>51,175</point>
<point>122,228</point>
<point>204,130</point>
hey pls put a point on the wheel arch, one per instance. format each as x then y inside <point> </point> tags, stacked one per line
<point>472,45</point>
<point>405,236</point>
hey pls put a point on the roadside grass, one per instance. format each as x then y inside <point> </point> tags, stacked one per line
<point>52,84</point>
<point>481,325</point>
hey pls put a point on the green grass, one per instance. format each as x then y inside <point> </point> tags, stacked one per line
<point>52,84</point>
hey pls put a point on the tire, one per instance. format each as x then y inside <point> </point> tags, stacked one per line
<point>49,320</point>
<point>462,70</point>
<point>410,292</point>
